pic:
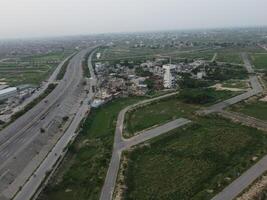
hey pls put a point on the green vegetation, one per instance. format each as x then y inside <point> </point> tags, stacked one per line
<point>205,95</point>
<point>30,70</point>
<point>194,162</point>
<point>88,158</point>
<point>235,83</point>
<point>253,108</point>
<point>86,70</point>
<point>259,60</point>
<point>29,106</point>
<point>63,69</point>
<point>156,113</point>
<point>231,57</point>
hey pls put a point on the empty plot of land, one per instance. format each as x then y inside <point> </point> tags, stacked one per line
<point>193,162</point>
<point>253,108</point>
<point>259,60</point>
<point>156,113</point>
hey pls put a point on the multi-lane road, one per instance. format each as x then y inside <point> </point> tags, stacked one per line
<point>25,143</point>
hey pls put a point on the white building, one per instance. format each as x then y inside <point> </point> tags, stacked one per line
<point>7,93</point>
<point>169,78</point>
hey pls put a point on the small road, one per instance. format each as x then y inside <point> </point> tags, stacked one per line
<point>121,144</point>
<point>247,63</point>
<point>244,119</point>
<point>214,57</point>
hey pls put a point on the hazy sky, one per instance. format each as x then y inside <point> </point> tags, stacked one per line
<point>27,18</point>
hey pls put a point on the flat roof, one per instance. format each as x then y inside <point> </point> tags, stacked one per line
<point>7,90</point>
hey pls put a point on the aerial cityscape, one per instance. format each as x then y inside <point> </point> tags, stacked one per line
<point>118,105</point>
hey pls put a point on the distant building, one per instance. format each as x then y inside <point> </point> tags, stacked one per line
<point>169,78</point>
<point>7,93</point>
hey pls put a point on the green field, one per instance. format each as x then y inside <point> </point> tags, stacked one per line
<point>156,113</point>
<point>235,83</point>
<point>83,171</point>
<point>259,60</point>
<point>30,70</point>
<point>253,108</point>
<point>229,57</point>
<point>194,162</point>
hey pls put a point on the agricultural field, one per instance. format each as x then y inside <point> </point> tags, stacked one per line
<point>84,168</point>
<point>253,108</point>
<point>193,162</point>
<point>30,70</point>
<point>259,60</point>
<point>156,113</point>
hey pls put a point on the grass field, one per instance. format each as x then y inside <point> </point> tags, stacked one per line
<point>229,57</point>
<point>235,83</point>
<point>259,60</point>
<point>193,162</point>
<point>30,70</point>
<point>254,108</point>
<point>83,172</point>
<point>156,113</point>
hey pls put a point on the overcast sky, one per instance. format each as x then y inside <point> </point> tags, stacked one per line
<point>37,18</point>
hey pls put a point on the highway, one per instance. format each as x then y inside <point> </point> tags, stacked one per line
<point>23,145</point>
<point>121,144</point>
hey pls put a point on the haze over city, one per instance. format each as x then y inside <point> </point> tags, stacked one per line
<point>133,99</point>
<point>41,18</point>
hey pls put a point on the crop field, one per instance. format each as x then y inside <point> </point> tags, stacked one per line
<point>193,162</point>
<point>83,171</point>
<point>254,108</point>
<point>156,113</point>
<point>259,60</point>
<point>30,70</point>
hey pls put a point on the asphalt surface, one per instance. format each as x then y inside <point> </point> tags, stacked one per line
<point>121,144</point>
<point>22,141</point>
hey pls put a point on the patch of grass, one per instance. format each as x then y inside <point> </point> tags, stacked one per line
<point>194,162</point>
<point>205,96</point>
<point>235,83</point>
<point>63,69</point>
<point>89,156</point>
<point>259,60</point>
<point>254,108</point>
<point>156,113</point>
<point>229,57</point>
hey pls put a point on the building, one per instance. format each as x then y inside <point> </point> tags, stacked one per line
<point>7,93</point>
<point>169,75</point>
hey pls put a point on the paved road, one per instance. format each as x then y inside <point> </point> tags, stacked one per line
<point>121,144</point>
<point>22,141</point>
<point>214,57</point>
